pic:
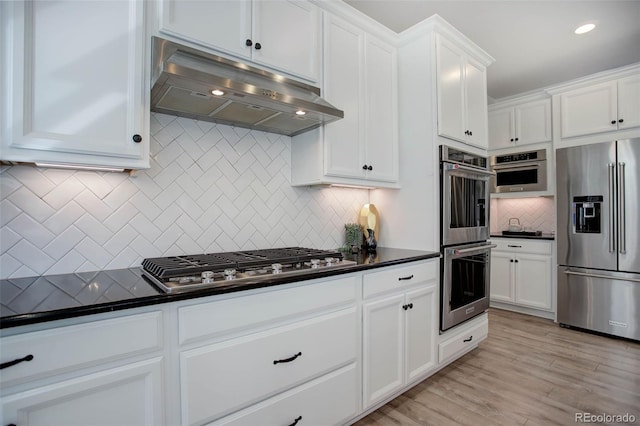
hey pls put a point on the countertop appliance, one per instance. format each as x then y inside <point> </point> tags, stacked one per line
<point>464,220</point>
<point>226,269</point>
<point>192,83</point>
<point>519,172</point>
<point>598,239</point>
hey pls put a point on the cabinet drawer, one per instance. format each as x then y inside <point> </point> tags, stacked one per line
<point>463,340</point>
<point>515,245</point>
<point>221,378</point>
<point>212,319</point>
<point>329,400</point>
<point>390,279</point>
<point>73,347</point>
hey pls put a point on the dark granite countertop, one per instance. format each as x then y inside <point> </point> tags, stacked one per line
<point>47,298</point>
<point>528,237</point>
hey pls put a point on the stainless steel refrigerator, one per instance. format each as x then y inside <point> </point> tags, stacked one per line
<point>598,208</point>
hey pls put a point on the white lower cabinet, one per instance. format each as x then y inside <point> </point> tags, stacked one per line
<point>463,338</point>
<point>399,328</point>
<point>128,395</point>
<point>521,273</point>
<point>221,378</point>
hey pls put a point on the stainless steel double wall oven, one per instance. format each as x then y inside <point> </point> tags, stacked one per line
<point>464,233</point>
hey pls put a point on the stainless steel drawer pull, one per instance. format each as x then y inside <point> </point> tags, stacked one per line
<point>405,278</point>
<point>277,361</point>
<point>15,361</point>
<point>582,274</point>
<point>295,422</point>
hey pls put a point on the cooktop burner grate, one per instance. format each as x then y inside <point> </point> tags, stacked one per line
<point>176,266</point>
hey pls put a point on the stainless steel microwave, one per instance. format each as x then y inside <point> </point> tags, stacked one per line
<point>519,172</point>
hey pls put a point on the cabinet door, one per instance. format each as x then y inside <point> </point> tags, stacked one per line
<point>589,110</point>
<point>533,122</point>
<point>381,110</point>
<point>383,355</point>
<point>219,24</point>
<point>75,95</point>
<point>344,139</point>
<point>450,75</point>
<point>289,33</point>
<point>421,330</point>
<point>501,285</point>
<point>533,281</point>
<point>501,129</point>
<point>629,102</point>
<point>476,103</point>
<point>129,395</point>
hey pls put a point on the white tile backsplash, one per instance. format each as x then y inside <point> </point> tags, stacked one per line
<point>535,213</point>
<point>210,188</point>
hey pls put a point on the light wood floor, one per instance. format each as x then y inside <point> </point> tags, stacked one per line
<point>529,371</point>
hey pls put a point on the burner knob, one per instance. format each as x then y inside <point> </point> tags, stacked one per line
<point>277,268</point>
<point>229,274</point>
<point>207,277</point>
<point>315,263</point>
<point>329,260</point>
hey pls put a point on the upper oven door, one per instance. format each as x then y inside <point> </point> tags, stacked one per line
<point>523,176</point>
<point>465,204</point>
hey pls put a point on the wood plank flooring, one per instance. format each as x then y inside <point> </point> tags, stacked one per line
<point>529,371</point>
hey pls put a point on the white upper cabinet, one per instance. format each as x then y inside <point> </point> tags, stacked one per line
<point>281,34</point>
<point>519,124</point>
<point>603,107</point>
<point>462,95</point>
<point>73,83</point>
<point>360,79</point>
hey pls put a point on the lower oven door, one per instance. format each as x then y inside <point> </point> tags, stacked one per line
<point>465,283</point>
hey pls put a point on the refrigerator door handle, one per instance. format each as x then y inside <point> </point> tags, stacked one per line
<point>607,277</point>
<point>612,225</point>
<point>621,211</point>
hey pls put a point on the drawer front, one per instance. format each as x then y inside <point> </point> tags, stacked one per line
<point>73,347</point>
<point>522,246</point>
<point>212,319</point>
<point>329,400</point>
<point>225,377</point>
<point>462,341</point>
<point>397,278</point>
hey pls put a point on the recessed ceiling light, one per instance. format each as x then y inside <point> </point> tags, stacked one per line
<point>300,112</point>
<point>217,92</point>
<point>582,29</point>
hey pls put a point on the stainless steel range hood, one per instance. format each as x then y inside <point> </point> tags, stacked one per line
<point>185,78</point>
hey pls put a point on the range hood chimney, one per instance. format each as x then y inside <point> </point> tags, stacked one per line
<point>190,83</point>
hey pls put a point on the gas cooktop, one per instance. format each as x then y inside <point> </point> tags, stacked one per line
<point>227,269</point>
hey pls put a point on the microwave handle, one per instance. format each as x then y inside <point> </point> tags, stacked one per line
<point>518,166</point>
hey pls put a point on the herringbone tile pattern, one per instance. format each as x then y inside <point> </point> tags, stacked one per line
<point>537,213</point>
<point>210,188</point>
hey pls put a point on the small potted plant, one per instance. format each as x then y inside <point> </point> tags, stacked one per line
<point>353,237</point>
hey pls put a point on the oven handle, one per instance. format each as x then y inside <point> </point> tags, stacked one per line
<point>456,166</point>
<point>472,249</point>
<point>527,165</point>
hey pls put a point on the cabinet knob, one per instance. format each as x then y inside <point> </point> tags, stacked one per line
<point>370,168</point>
<point>364,167</point>
<point>511,139</point>
<point>613,121</point>
<point>137,138</point>
<point>516,139</point>
<point>621,120</point>
<point>248,42</point>
<point>470,133</point>
<point>511,260</point>
<point>516,260</point>
<point>258,46</point>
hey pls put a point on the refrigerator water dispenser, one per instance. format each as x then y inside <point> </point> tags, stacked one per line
<point>586,214</point>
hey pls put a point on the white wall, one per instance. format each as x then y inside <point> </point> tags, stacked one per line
<point>210,188</point>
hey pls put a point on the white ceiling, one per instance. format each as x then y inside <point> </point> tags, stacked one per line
<point>532,41</point>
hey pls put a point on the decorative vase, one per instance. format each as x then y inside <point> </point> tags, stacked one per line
<point>369,219</point>
<point>371,242</point>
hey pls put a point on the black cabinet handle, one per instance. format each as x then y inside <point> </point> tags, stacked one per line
<point>516,260</point>
<point>248,42</point>
<point>621,120</point>
<point>258,46</point>
<point>15,361</point>
<point>364,167</point>
<point>405,278</point>
<point>410,305</point>
<point>470,133</point>
<point>277,361</point>
<point>511,260</point>
<point>370,168</point>
<point>137,138</point>
<point>468,340</point>
<point>516,139</point>
<point>295,422</point>
<point>405,307</point>
<point>511,139</point>
<point>613,121</point>
<point>514,246</point>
